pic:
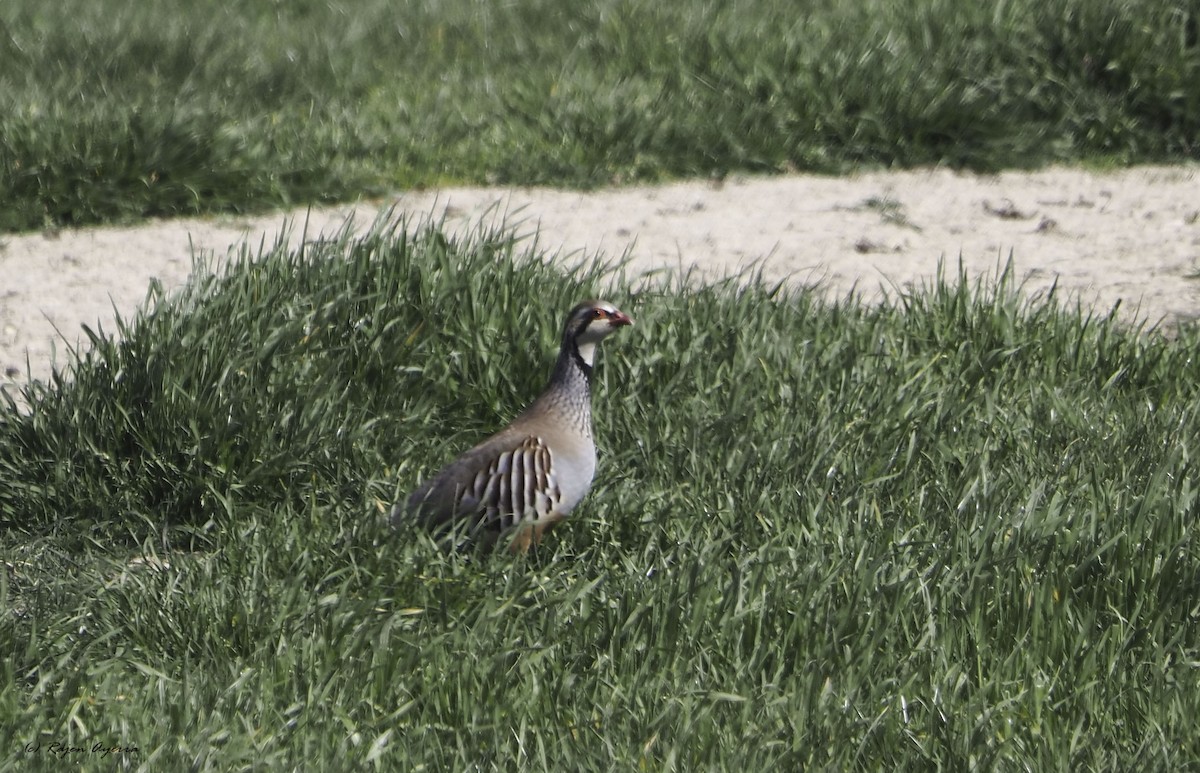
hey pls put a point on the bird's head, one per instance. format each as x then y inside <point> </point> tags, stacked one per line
<point>589,323</point>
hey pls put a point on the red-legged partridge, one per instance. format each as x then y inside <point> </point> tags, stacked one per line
<point>531,474</point>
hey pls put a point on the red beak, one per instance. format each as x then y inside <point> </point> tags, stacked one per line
<point>619,319</point>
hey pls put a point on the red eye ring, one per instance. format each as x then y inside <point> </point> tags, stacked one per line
<point>599,313</point>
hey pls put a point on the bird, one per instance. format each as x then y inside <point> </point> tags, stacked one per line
<point>521,481</point>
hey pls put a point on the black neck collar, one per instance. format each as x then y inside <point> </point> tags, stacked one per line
<point>579,362</point>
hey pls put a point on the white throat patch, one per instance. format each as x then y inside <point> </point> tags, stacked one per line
<point>587,351</point>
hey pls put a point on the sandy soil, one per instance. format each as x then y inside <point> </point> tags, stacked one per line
<point>1131,235</point>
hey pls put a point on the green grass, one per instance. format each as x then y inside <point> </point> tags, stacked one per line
<point>117,110</point>
<point>954,531</point>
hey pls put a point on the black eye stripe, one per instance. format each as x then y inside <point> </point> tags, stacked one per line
<point>588,318</point>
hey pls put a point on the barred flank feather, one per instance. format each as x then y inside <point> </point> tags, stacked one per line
<point>517,486</point>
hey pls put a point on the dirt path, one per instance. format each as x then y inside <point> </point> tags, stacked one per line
<point>1130,235</point>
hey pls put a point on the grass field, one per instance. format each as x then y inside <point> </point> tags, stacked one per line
<point>117,110</point>
<point>955,531</point>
